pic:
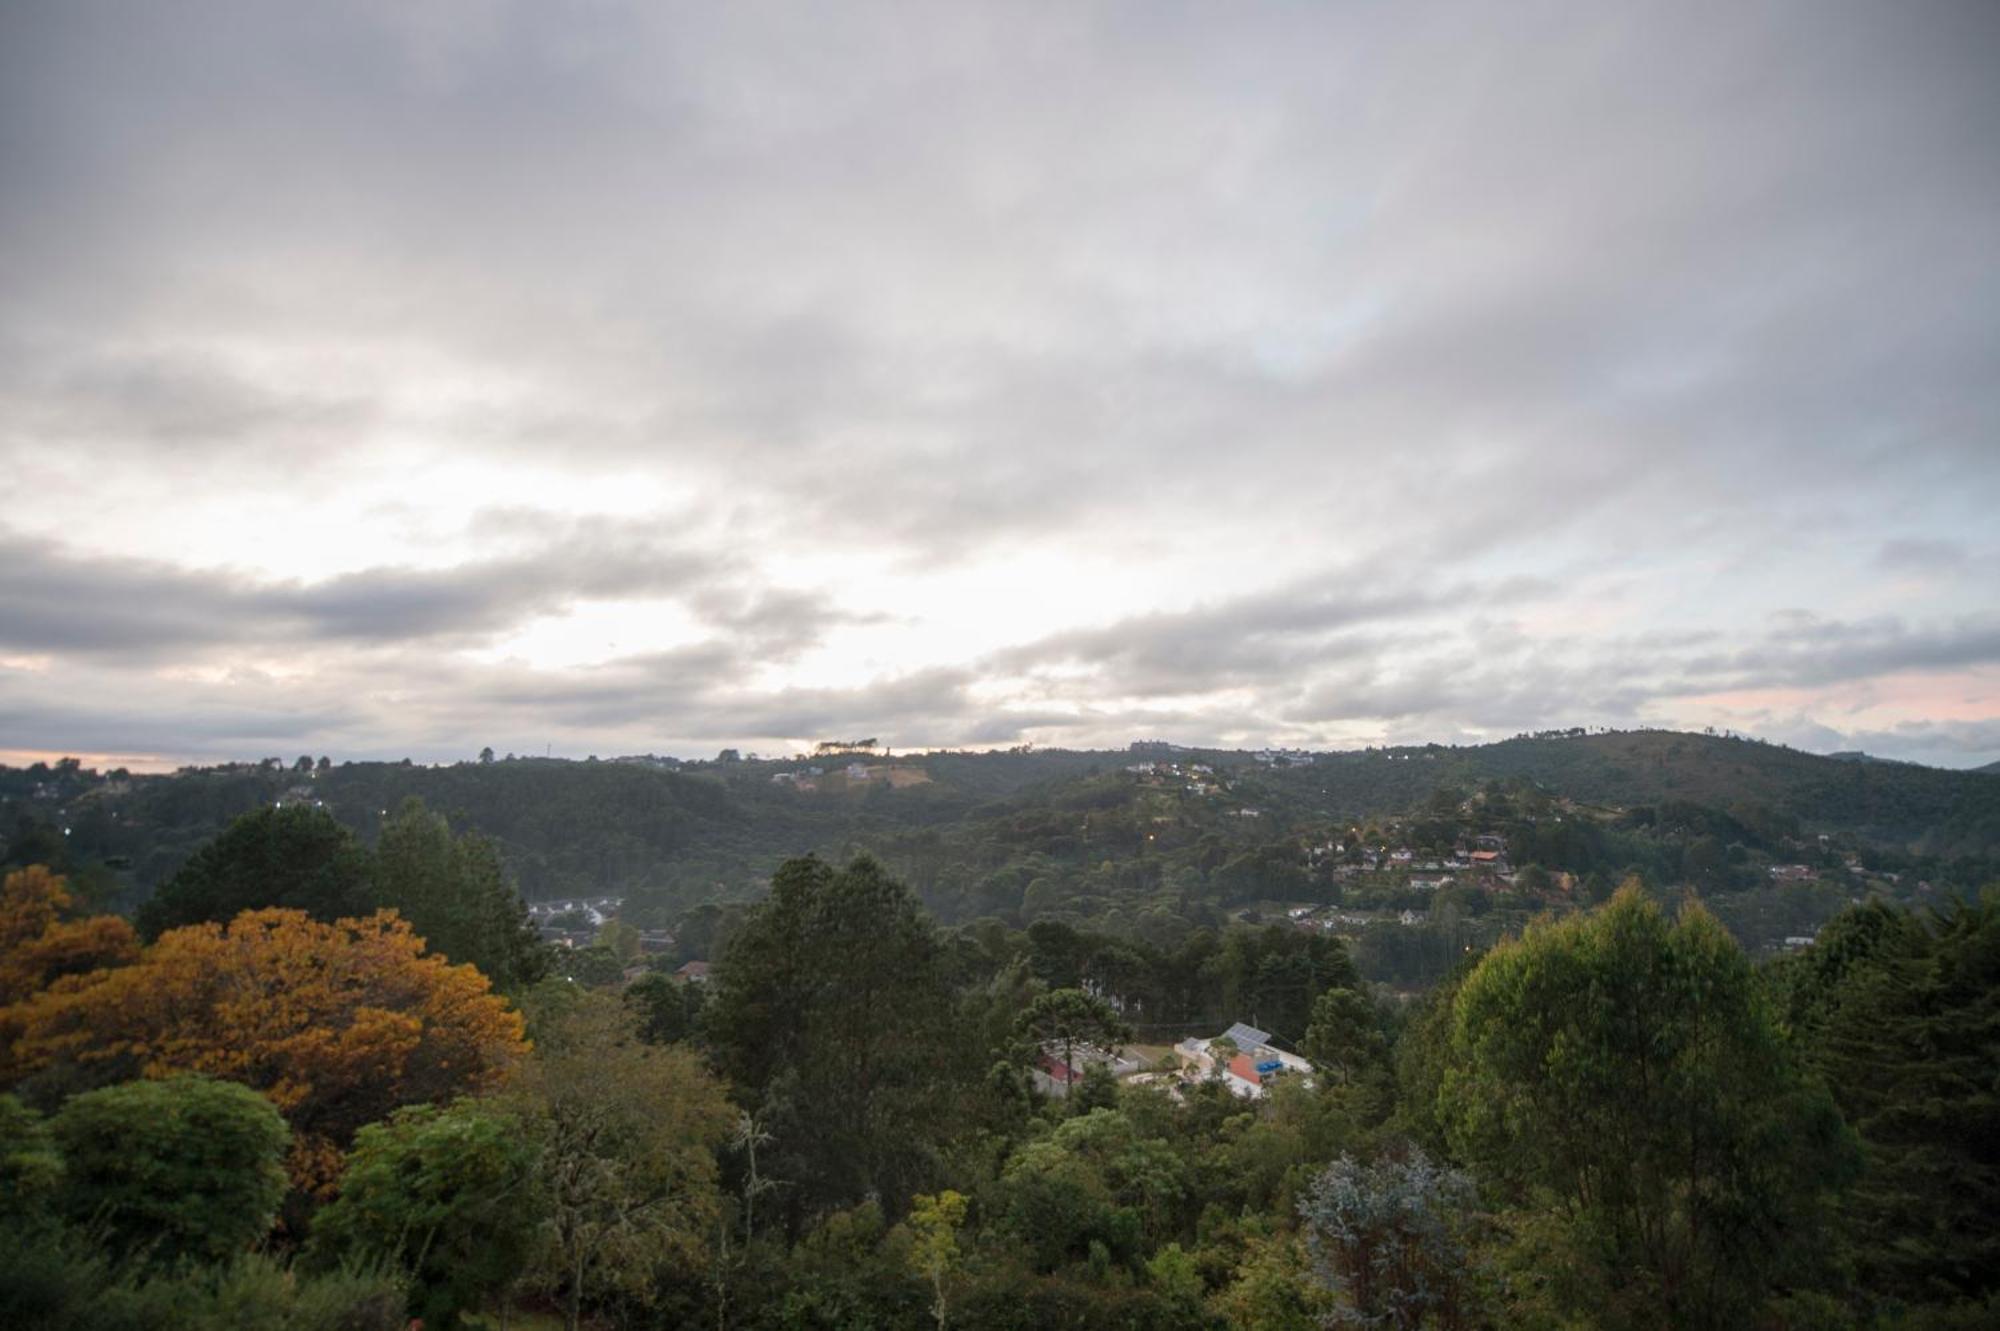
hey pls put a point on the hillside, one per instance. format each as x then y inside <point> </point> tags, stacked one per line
<point>1904,805</point>
<point>676,834</point>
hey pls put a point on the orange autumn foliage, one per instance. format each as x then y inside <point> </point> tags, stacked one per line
<point>39,946</point>
<point>338,1024</point>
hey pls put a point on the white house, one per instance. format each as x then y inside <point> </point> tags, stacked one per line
<point>1249,1067</point>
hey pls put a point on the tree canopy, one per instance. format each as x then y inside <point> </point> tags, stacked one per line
<point>1626,1069</point>
<point>186,1167</point>
<point>457,896</point>
<point>833,1016</point>
<point>293,856</point>
<point>339,1024</point>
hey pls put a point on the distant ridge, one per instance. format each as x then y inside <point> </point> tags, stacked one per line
<point>1857,756</point>
<point>567,827</point>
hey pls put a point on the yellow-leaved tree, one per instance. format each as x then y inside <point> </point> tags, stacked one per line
<point>40,944</point>
<point>338,1024</point>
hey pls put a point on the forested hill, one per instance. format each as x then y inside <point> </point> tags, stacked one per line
<point>681,832</point>
<point>1903,805</point>
<point>564,827</point>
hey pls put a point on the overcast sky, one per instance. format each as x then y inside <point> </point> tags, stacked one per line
<point>398,379</point>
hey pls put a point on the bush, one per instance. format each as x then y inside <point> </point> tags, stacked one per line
<point>185,1168</point>
<point>53,1281</point>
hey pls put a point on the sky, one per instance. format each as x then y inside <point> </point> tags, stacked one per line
<point>400,379</point>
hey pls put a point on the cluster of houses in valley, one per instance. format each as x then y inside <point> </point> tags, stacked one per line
<point>575,922</point>
<point>1482,858</point>
<point>1243,1060</point>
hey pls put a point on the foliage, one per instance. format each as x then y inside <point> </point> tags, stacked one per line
<point>40,944</point>
<point>1389,1239</point>
<point>186,1167</point>
<point>934,1252</point>
<point>1903,1017</point>
<point>456,895</point>
<point>1344,1040</point>
<point>1625,1070</point>
<point>1063,1019</point>
<point>294,857</point>
<point>593,967</point>
<point>1093,1180</point>
<point>1635,1104</point>
<point>625,1172</point>
<point>53,1281</point>
<point>441,1194</point>
<point>669,1010</point>
<point>832,1015</point>
<point>338,1024</point>
<point>1272,1289</point>
<point>31,1168</point>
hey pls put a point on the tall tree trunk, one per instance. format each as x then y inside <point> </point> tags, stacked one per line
<point>573,1306</point>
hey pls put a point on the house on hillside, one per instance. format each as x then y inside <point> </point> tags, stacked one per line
<point>1242,1058</point>
<point>1054,1077</point>
<point>694,972</point>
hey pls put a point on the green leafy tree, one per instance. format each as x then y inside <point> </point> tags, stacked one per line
<point>293,856</point>
<point>186,1167</point>
<point>593,967</point>
<point>455,893</point>
<point>833,1013</point>
<point>30,1166</point>
<point>56,1280</point>
<point>443,1195</point>
<point>1175,1275</point>
<point>625,1171</point>
<point>1423,1055</point>
<point>1344,1038</point>
<point>934,1224</point>
<point>1063,1019</point>
<point>621,939</point>
<point>1094,1179</point>
<point>669,1010</point>
<point>1272,1289</point>
<point>1619,1080</point>
<point>1902,1015</point>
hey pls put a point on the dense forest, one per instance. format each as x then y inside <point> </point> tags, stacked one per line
<point>1576,1030</point>
<point>1151,845</point>
<point>326,1082</point>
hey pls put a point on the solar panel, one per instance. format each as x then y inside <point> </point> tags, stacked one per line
<point>1247,1037</point>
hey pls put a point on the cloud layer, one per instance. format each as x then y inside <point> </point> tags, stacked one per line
<point>389,379</point>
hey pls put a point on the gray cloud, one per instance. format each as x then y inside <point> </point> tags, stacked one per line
<point>1921,556</point>
<point>59,600</point>
<point>1574,341</point>
<point>1253,639</point>
<point>1807,650</point>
